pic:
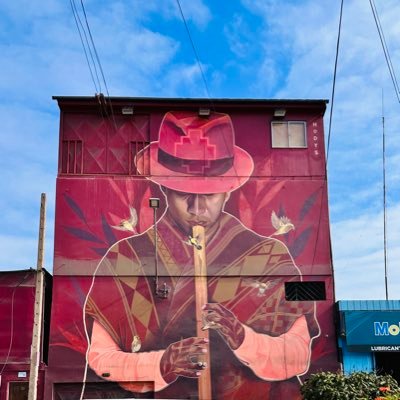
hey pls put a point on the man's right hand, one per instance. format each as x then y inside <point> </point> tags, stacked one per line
<point>184,358</point>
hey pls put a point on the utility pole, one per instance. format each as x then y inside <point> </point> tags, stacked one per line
<point>38,307</point>
<point>384,199</point>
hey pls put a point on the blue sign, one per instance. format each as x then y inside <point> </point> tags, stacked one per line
<point>375,329</point>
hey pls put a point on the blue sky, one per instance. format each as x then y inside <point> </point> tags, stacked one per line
<point>248,49</point>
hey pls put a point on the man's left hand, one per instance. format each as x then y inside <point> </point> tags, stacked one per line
<point>225,322</point>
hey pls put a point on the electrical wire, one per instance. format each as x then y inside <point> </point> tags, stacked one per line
<point>100,67</point>
<point>94,48</point>
<point>324,188</point>
<point>101,70</point>
<point>385,49</point>
<point>79,22</point>
<point>90,48</point>
<point>202,74</point>
<point>334,81</point>
<point>3,299</point>
<point>12,321</point>
<point>397,90</point>
<point>195,53</point>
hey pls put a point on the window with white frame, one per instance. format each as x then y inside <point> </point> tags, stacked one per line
<point>289,134</point>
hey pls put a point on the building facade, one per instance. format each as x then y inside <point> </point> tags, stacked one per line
<point>369,336</point>
<point>17,293</point>
<point>192,249</point>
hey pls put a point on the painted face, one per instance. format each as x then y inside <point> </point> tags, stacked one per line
<point>189,209</point>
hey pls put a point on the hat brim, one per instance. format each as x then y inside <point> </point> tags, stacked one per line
<point>232,179</point>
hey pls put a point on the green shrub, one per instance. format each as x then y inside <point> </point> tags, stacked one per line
<point>326,386</point>
<point>355,386</point>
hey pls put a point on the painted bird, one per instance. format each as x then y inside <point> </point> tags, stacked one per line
<point>261,286</point>
<point>193,242</point>
<point>281,224</point>
<point>136,344</point>
<point>128,224</point>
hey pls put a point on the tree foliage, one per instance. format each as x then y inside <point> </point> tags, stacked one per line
<point>355,386</point>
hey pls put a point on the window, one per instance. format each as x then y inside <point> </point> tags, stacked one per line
<point>72,157</point>
<point>18,390</point>
<point>303,291</point>
<point>288,134</point>
<point>140,166</point>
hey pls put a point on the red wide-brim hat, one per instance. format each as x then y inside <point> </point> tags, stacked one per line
<point>196,155</point>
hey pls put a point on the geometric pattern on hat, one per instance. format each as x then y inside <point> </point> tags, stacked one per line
<point>196,155</point>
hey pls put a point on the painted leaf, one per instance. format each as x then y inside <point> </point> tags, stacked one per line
<point>267,194</point>
<point>73,341</point>
<point>118,191</point>
<point>146,214</point>
<point>308,205</point>
<point>99,251</point>
<point>250,192</point>
<point>300,242</point>
<point>130,190</point>
<point>75,208</point>
<point>245,211</point>
<point>81,234</point>
<point>69,346</point>
<point>79,295</point>
<point>108,233</point>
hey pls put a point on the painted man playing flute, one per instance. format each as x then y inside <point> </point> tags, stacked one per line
<point>147,343</point>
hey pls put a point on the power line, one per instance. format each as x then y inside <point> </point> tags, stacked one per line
<point>385,49</point>
<point>94,48</point>
<point>90,48</point>
<point>101,71</point>
<point>27,275</point>
<point>195,53</point>
<point>334,81</point>
<point>79,22</point>
<point>201,70</point>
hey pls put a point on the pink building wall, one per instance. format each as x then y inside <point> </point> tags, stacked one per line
<point>100,181</point>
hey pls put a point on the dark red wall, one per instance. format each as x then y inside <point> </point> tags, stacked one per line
<point>17,291</point>
<point>17,294</point>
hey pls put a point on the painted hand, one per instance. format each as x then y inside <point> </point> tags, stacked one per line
<point>184,358</point>
<point>225,322</point>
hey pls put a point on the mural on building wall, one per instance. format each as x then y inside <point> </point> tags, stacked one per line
<point>164,336</point>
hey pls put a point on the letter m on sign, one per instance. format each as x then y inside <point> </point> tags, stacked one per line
<point>381,328</point>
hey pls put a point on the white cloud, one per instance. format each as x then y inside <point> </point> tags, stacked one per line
<point>196,11</point>
<point>26,10</point>
<point>239,35</point>
<point>184,78</point>
<point>359,256</point>
<point>148,51</point>
<point>280,50</point>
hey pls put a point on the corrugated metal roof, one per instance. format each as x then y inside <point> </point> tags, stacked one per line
<point>369,305</point>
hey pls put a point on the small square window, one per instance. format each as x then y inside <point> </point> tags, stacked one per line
<point>288,134</point>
